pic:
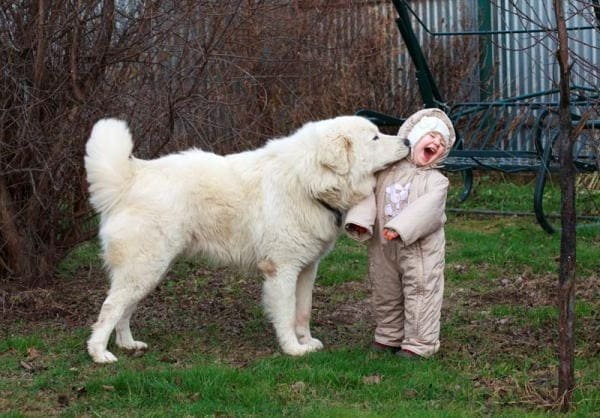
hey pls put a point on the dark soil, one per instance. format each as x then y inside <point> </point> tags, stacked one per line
<point>218,302</point>
<point>223,310</point>
<point>217,311</point>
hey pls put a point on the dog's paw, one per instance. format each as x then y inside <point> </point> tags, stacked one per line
<point>301,349</point>
<point>99,353</point>
<point>103,356</point>
<point>314,343</point>
<point>134,346</point>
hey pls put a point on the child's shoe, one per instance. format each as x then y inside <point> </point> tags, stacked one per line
<point>382,348</point>
<point>407,354</point>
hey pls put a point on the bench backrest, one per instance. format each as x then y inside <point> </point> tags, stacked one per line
<point>524,123</point>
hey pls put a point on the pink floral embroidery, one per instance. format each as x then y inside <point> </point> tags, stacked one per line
<point>396,196</point>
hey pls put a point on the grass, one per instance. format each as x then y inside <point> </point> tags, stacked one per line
<point>213,353</point>
<point>347,263</point>
<point>316,385</point>
<point>514,193</point>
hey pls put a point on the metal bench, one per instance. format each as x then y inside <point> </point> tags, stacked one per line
<point>510,135</point>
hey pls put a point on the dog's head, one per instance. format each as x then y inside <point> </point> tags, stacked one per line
<point>351,150</point>
<point>354,144</point>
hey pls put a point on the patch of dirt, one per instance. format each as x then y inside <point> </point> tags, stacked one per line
<point>488,338</point>
<point>506,334</point>
<point>217,311</point>
<point>218,308</point>
<point>220,311</point>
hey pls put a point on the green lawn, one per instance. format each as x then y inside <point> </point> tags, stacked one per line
<point>213,353</point>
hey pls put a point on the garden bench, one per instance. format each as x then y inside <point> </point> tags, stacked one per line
<point>516,134</point>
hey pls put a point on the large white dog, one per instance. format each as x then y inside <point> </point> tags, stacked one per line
<point>277,209</point>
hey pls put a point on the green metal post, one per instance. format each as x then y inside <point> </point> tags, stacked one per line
<point>486,63</point>
<point>427,86</point>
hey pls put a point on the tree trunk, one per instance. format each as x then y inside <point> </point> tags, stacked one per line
<point>16,256</point>
<point>566,288</point>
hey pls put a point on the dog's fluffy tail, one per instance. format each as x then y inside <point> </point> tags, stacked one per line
<point>107,162</point>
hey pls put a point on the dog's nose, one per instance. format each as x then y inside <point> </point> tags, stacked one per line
<point>407,142</point>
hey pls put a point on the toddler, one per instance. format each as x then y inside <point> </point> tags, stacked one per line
<point>404,223</point>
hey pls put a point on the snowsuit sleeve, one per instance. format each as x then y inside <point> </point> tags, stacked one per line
<point>424,215</point>
<point>362,214</point>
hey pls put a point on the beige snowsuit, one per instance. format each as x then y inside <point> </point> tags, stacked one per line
<point>407,274</point>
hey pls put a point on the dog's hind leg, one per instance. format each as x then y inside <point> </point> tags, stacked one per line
<point>304,289</point>
<point>112,310</point>
<point>129,286</point>
<point>124,339</point>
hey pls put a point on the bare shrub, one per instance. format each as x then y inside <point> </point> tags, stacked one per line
<point>223,76</point>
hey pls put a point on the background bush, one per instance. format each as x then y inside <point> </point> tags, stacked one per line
<point>223,76</point>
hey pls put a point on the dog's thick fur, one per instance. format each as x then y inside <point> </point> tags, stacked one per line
<point>272,209</point>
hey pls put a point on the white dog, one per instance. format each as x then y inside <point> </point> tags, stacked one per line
<point>277,209</point>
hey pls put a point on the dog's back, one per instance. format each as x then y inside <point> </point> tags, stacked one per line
<point>195,201</point>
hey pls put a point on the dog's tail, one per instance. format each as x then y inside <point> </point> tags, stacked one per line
<point>107,162</point>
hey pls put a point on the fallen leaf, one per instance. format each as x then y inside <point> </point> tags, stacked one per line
<point>298,387</point>
<point>372,380</point>
<point>32,353</point>
<point>27,366</point>
<point>80,390</point>
<point>410,393</point>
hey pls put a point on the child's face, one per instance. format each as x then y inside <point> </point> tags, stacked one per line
<point>429,149</point>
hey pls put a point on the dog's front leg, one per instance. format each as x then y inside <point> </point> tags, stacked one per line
<point>304,289</point>
<point>279,299</point>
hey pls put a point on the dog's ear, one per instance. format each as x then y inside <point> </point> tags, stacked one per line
<point>335,153</point>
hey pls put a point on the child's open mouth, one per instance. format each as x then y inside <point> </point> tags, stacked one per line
<point>429,153</point>
<point>431,150</point>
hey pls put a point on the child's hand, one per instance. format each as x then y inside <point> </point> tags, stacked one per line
<point>356,229</point>
<point>389,234</point>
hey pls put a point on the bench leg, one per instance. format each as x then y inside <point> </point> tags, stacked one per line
<point>538,195</point>
<point>467,176</point>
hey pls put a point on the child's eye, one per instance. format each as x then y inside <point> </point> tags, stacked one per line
<point>376,137</point>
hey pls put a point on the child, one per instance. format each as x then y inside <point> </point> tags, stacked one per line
<point>404,221</point>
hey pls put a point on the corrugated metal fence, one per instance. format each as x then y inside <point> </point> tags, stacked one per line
<point>481,50</point>
<point>518,63</point>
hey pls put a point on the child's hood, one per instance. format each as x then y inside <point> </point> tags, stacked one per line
<point>415,118</point>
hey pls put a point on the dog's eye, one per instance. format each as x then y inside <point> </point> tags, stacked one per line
<point>376,137</point>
